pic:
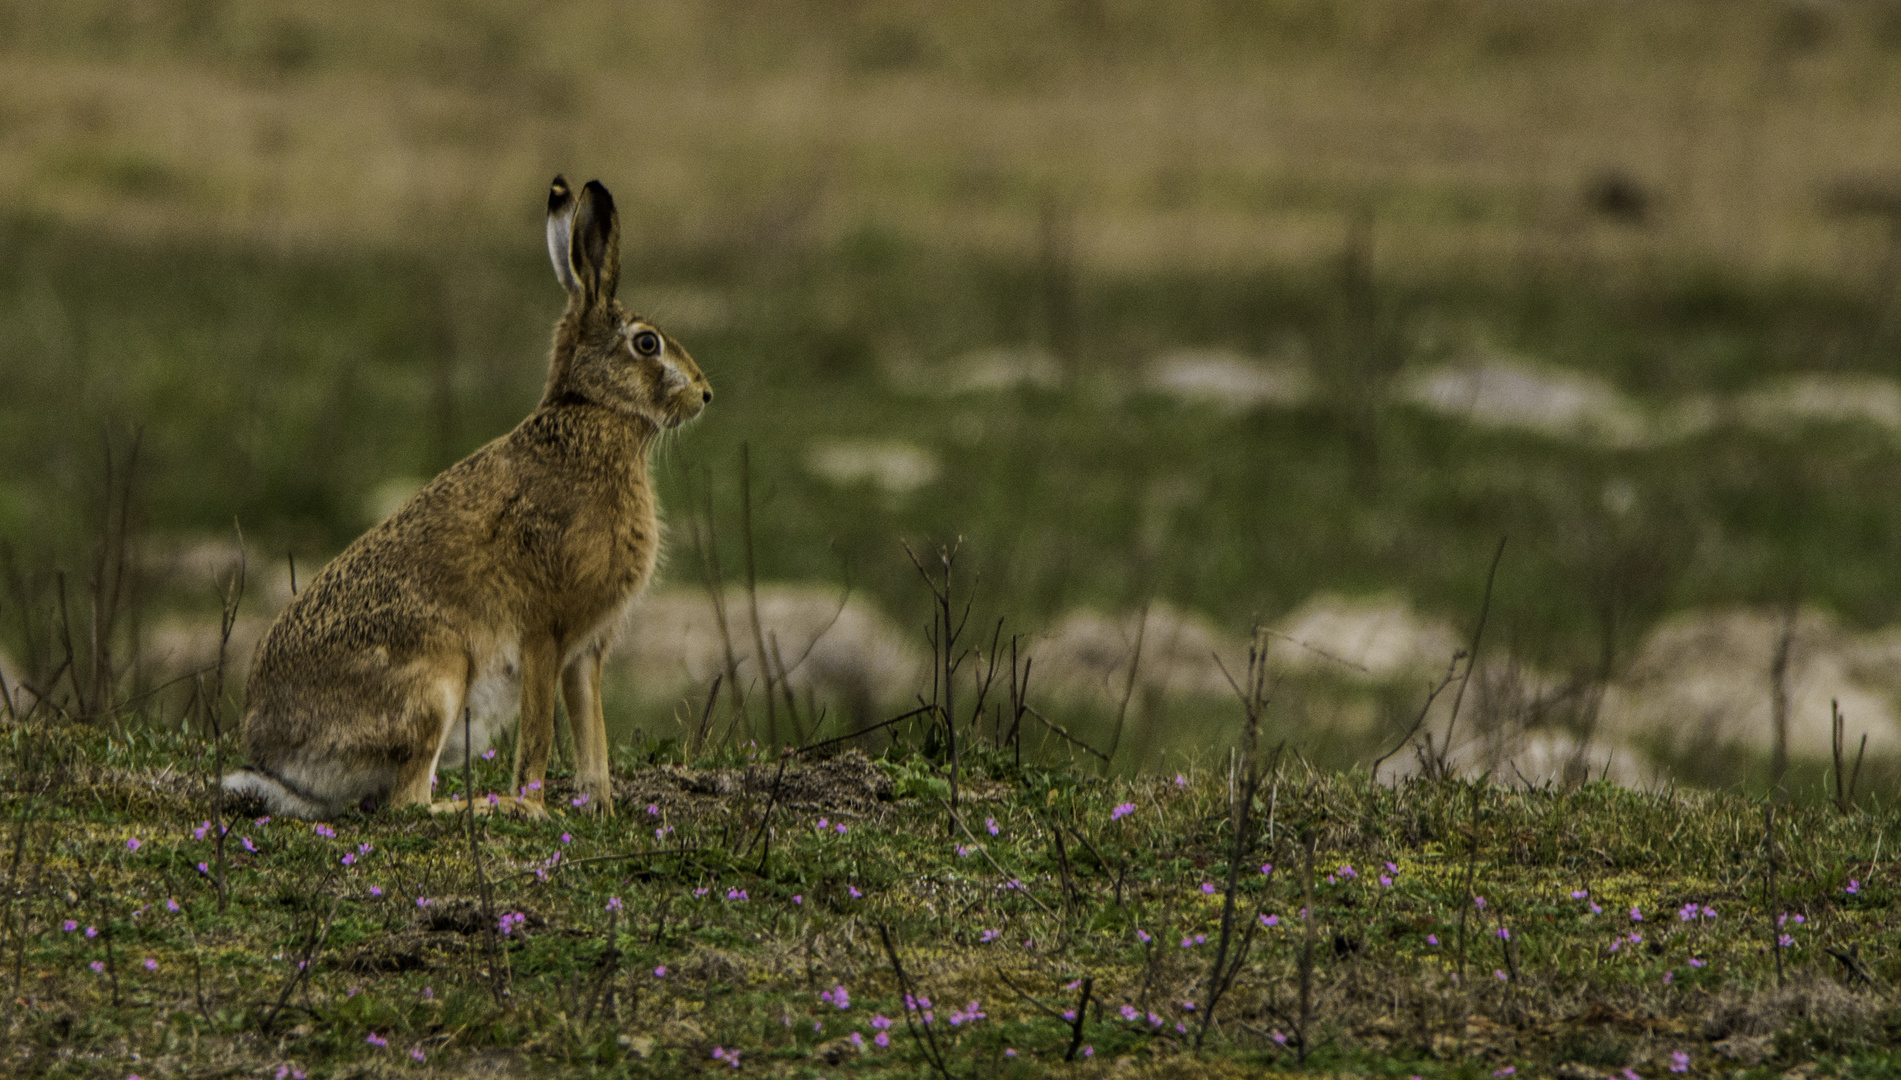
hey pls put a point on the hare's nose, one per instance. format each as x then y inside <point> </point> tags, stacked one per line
<point>706,396</point>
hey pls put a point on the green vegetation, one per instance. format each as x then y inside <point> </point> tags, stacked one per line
<point>1459,930</point>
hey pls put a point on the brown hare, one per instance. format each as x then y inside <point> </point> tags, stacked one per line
<point>506,575</point>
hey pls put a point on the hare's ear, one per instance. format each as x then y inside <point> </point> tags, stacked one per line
<point>594,244</point>
<point>560,220</point>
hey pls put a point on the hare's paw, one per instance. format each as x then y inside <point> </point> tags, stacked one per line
<point>528,807</point>
<point>597,802</point>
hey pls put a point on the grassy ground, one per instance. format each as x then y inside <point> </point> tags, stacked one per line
<point>730,921</point>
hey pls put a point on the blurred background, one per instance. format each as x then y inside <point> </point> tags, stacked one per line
<point>1187,317</point>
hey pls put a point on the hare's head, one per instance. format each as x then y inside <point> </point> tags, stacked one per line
<point>604,353</point>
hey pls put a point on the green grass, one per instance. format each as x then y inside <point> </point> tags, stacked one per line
<point>280,389</point>
<point>1410,977</point>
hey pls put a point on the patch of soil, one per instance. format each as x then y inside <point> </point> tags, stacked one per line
<point>850,783</point>
<point>466,917</point>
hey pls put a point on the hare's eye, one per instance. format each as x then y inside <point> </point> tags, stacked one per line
<point>647,343</point>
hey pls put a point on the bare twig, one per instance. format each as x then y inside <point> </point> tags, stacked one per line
<point>1082,1016</point>
<point>928,1042</point>
<point>752,590</point>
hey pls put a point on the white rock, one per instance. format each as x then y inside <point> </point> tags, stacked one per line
<point>890,465</point>
<point>1377,638</point>
<point>1703,679</point>
<point>1229,381</point>
<point>850,655</point>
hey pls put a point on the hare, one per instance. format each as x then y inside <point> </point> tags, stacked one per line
<point>506,575</point>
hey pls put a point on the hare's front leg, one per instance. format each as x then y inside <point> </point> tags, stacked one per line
<point>540,669</point>
<point>581,690</point>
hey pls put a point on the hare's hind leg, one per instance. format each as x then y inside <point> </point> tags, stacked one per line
<point>581,690</point>
<point>430,714</point>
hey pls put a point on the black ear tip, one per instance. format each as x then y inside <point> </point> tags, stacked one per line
<point>598,190</point>
<point>559,195</point>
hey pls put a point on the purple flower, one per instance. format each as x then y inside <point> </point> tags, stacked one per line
<point>1143,936</point>
<point>1669,977</point>
<point>840,829</point>
<point>1478,902</point>
<point>736,894</point>
<point>882,1039</point>
<point>171,904</point>
<point>1069,1014</point>
<point>1180,780</point>
<point>1506,1071</point>
<point>151,964</point>
<point>1270,920</point>
<point>1579,894</point>
<point>879,1022</point>
<point>855,894</point>
<point>798,898</point>
<point>422,901</point>
<point>1266,869</point>
<point>991,824</point>
<point>203,869</point>
<point>248,846</point>
<point>1432,939</point>
<point>988,937</point>
<point>660,972</point>
<point>1207,888</point>
<point>1502,977</point>
<point>92,931</point>
<point>567,838</point>
<point>133,844</point>
<point>1129,1013</point>
<point>1279,1039</point>
<point>1504,934</point>
<point>1785,941</point>
<point>349,857</point>
<point>1121,811</point>
<point>1695,963</point>
<point>376,1040</point>
<point>1385,882</point>
<point>613,903</point>
<point>837,996</point>
<point>69,926</point>
<point>324,831</point>
<point>488,755</point>
<point>416,1054</point>
<point>376,890</point>
<point>578,800</point>
<point>98,967</point>
<point>1636,916</point>
<point>1679,1061</point>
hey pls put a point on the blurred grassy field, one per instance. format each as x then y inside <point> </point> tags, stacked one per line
<point>302,251</point>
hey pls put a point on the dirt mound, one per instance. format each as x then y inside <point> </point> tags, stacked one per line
<point>850,783</point>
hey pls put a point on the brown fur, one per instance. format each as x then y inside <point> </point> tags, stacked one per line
<point>514,564</point>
